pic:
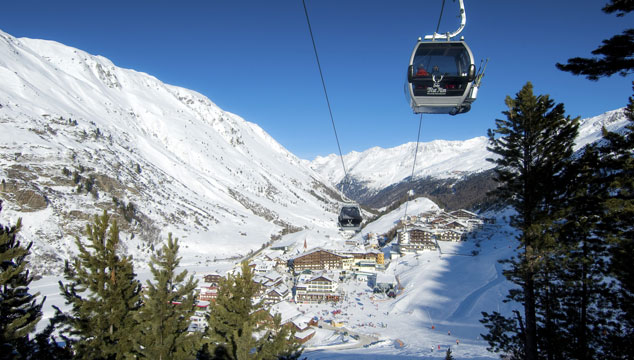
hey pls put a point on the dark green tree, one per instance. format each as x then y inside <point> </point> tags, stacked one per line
<point>103,294</point>
<point>19,309</point>
<point>606,216</point>
<point>581,309</point>
<point>240,329</point>
<point>448,355</point>
<point>169,302</point>
<point>534,144</point>
<point>616,175</point>
<point>616,55</point>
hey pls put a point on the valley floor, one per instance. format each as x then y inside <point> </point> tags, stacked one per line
<point>442,294</point>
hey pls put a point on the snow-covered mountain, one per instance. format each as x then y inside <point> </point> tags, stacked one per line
<point>79,135</point>
<point>379,168</point>
<point>375,170</point>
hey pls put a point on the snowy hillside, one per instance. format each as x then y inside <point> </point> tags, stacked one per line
<point>377,168</point>
<point>79,135</point>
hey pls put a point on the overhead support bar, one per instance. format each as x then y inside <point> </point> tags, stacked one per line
<point>448,36</point>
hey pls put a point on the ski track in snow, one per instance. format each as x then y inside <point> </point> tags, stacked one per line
<point>468,303</point>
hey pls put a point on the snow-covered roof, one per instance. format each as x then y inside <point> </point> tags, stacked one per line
<point>382,278</point>
<point>287,311</point>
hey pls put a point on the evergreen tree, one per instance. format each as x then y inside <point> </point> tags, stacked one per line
<point>104,296</point>
<point>607,331</point>
<point>616,175</point>
<point>19,309</point>
<point>448,355</point>
<point>240,329</point>
<point>616,55</point>
<point>534,144</point>
<point>582,309</point>
<point>169,302</point>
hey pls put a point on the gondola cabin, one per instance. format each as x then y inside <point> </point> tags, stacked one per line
<point>440,77</point>
<point>350,217</point>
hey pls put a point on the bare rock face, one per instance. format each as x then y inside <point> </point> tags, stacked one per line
<point>27,196</point>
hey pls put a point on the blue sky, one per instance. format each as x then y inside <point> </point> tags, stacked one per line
<point>255,58</point>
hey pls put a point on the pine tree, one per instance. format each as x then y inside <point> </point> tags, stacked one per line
<point>240,329</point>
<point>607,331</point>
<point>616,174</point>
<point>19,309</point>
<point>616,54</point>
<point>534,144</point>
<point>169,302</point>
<point>104,296</point>
<point>448,355</point>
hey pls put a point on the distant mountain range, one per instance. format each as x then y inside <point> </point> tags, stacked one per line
<point>454,174</point>
<point>79,136</point>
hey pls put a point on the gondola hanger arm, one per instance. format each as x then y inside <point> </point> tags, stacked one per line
<point>448,36</point>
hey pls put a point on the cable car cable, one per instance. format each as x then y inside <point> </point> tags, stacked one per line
<point>440,17</point>
<point>411,179</point>
<point>420,124</point>
<point>323,83</point>
<point>349,215</point>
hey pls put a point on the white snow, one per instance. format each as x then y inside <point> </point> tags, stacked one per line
<point>217,182</point>
<point>225,187</point>
<point>378,168</point>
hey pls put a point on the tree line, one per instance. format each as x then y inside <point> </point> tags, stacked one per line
<point>110,315</point>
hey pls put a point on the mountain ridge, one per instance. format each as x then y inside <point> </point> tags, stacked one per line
<point>445,170</point>
<point>80,136</point>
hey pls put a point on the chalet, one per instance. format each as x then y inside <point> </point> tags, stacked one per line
<point>212,279</point>
<point>303,330</point>
<point>439,221</point>
<point>270,279</point>
<point>278,294</point>
<point>267,282</point>
<point>361,254</point>
<point>291,317</point>
<point>276,256</point>
<point>262,266</point>
<point>317,289</point>
<point>320,259</point>
<point>463,214</point>
<point>207,293</point>
<point>451,235</point>
<point>459,225</point>
<point>304,322</point>
<point>415,239</point>
<point>428,216</point>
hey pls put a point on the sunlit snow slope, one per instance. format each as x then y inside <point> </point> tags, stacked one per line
<point>79,135</point>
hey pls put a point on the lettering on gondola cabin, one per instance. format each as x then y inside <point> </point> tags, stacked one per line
<point>436,90</point>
